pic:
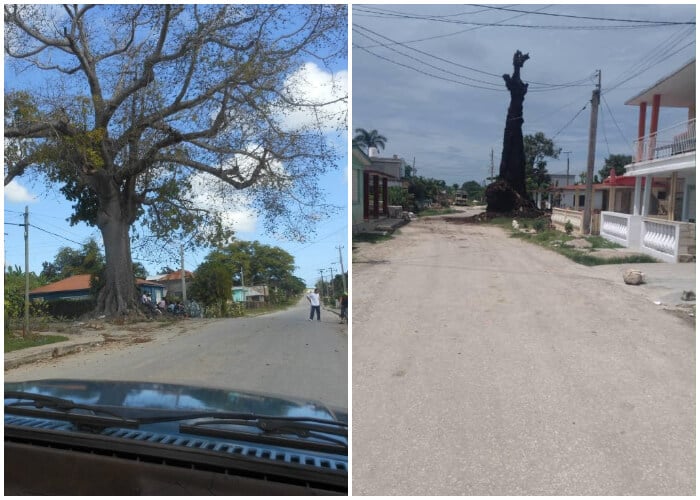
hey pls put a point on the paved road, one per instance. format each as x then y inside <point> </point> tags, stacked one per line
<point>280,353</point>
<point>484,365</point>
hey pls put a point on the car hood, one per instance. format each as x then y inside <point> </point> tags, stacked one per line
<point>156,395</point>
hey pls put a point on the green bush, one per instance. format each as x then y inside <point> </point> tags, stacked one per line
<point>568,227</point>
<point>539,225</point>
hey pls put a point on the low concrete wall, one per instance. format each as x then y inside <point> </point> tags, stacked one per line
<point>560,216</point>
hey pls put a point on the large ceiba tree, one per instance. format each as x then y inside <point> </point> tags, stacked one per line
<point>137,111</point>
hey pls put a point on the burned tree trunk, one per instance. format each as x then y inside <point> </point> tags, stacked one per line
<point>508,193</point>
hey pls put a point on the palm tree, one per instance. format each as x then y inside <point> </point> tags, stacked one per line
<point>370,139</point>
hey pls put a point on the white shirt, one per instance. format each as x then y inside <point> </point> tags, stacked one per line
<point>314,298</point>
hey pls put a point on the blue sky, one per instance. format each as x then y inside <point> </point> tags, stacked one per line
<point>49,211</point>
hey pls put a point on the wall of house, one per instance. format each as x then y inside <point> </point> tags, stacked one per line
<point>155,292</point>
<point>568,199</point>
<point>357,194</point>
<point>686,243</point>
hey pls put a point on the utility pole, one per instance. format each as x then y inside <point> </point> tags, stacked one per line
<point>321,272</point>
<point>567,153</point>
<point>342,271</point>
<point>491,179</point>
<point>330,280</point>
<point>182,272</point>
<point>26,270</point>
<point>588,202</point>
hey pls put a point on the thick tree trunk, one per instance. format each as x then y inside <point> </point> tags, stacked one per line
<point>118,295</point>
<point>509,193</point>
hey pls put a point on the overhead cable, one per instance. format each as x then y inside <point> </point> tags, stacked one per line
<point>527,26</point>
<point>571,16</point>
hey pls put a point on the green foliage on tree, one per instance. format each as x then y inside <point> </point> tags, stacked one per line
<point>212,286</point>
<point>14,288</point>
<point>400,196</point>
<point>252,263</point>
<point>473,190</point>
<point>617,162</point>
<point>338,284</point>
<point>582,178</point>
<point>369,139</point>
<point>139,270</point>
<point>423,189</point>
<point>537,149</point>
<point>71,262</point>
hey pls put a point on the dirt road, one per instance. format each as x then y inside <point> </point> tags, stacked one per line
<point>485,365</point>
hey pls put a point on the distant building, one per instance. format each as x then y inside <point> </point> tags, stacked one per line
<point>257,294</point>
<point>173,282</point>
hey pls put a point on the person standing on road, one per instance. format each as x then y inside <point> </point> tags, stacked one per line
<point>315,300</point>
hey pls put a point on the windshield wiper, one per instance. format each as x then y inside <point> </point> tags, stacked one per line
<point>318,434</point>
<point>85,417</point>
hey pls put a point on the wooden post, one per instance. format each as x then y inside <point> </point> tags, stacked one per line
<point>672,197</point>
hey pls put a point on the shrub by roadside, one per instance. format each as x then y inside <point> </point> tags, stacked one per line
<point>562,242</point>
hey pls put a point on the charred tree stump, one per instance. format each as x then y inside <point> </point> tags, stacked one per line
<point>508,193</point>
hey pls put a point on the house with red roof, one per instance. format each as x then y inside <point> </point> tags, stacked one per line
<point>173,282</point>
<point>78,288</point>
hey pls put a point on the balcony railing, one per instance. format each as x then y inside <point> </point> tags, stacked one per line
<point>674,140</point>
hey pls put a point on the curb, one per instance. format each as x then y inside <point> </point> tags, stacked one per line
<point>49,352</point>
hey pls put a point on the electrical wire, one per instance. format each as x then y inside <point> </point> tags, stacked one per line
<point>569,122</point>
<point>362,28</point>
<point>526,26</point>
<point>473,28</point>
<point>494,86</point>
<point>421,71</point>
<point>661,52</point>
<point>617,20</point>
<point>54,234</point>
<point>617,125</point>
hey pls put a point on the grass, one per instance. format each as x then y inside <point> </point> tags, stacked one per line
<point>15,343</point>
<point>371,237</point>
<point>436,211</point>
<point>553,239</point>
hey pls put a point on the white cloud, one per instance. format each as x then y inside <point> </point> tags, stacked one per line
<point>16,193</point>
<point>230,203</point>
<point>312,85</point>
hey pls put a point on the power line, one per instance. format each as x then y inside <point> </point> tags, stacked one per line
<point>651,59</point>
<point>588,17</point>
<point>528,26</point>
<point>497,86</point>
<point>624,138</point>
<point>54,234</point>
<point>421,71</point>
<point>569,122</point>
<point>473,28</point>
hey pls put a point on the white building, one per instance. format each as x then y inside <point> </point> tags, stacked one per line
<point>663,224</point>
